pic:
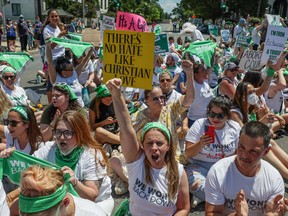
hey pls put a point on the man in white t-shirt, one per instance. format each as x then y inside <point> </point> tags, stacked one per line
<point>245,184</point>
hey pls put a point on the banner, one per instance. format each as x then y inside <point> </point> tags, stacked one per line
<point>213,29</point>
<point>274,44</point>
<point>203,49</point>
<point>273,20</point>
<point>251,60</point>
<point>161,44</point>
<point>16,59</point>
<point>243,41</point>
<point>77,47</point>
<point>131,22</point>
<point>225,34</point>
<point>130,57</point>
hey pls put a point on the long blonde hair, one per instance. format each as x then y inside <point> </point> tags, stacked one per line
<point>5,102</point>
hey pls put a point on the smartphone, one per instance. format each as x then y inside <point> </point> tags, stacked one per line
<point>210,131</point>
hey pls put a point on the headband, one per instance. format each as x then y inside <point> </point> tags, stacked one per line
<point>102,91</point>
<point>21,110</point>
<point>8,69</point>
<point>157,125</point>
<point>165,71</point>
<point>64,86</point>
<point>41,203</point>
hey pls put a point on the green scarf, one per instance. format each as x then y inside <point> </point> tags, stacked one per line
<point>70,160</point>
<point>77,47</point>
<point>13,166</point>
<point>16,59</point>
<point>157,30</point>
<point>74,36</point>
<point>203,49</point>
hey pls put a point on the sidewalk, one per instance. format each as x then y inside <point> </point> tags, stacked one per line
<point>18,46</point>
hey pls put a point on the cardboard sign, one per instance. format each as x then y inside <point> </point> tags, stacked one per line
<point>274,44</point>
<point>161,44</point>
<point>225,34</point>
<point>131,22</point>
<point>251,60</point>
<point>273,20</point>
<point>129,56</point>
<point>213,29</point>
<point>91,35</point>
<point>243,41</point>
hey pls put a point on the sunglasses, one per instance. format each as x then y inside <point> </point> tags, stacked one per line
<point>157,99</point>
<point>218,115</point>
<point>13,123</point>
<point>7,77</point>
<point>164,80</point>
<point>66,133</point>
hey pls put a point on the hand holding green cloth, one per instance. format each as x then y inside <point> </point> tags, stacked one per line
<point>16,59</point>
<point>203,49</point>
<point>13,166</point>
<point>77,47</point>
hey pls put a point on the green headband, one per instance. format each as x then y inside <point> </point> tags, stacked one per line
<point>21,110</point>
<point>41,203</point>
<point>64,86</point>
<point>8,69</point>
<point>157,125</point>
<point>165,71</point>
<point>102,91</point>
<point>285,73</point>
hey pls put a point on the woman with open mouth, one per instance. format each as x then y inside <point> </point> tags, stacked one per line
<point>157,183</point>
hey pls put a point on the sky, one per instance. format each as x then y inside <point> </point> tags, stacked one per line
<point>168,5</point>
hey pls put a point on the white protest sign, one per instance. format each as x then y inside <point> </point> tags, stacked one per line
<point>225,34</point>
<point>273,20</point>
<point>251,60</point>
<point>108,23</point>
<point>274,44</point>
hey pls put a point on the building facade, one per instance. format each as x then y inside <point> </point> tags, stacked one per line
<point>278,7</point>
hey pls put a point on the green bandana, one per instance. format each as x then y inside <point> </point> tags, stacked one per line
<point>13,166</point>
<point>100,54</point>
<point>21,110</point>
<point>76,37</point>
<point>158,125</point>
<point>164,71</point>
<point>70,160</point>
<point>203,49</point>
<point>157,30</point>
<point>77,47</point>
<point>8,69</point>
<point>41,203</point>
<point>102,91</point>
<point>16,59</point>
<point>285,73</point>
<point>64,86</point>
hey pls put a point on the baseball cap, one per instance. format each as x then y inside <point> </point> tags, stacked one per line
<point>230,66</point>
<point>242,21</point>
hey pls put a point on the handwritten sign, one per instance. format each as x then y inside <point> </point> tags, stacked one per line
<point>251,60</point>
<point>130,57</point>
<point>213,29</point>
<point>161,44</point>
<point>243,41</point>
<point>108,23</point>
<point>131,22</point>
<point>273,20</point>
<point>225,34</point>
<point>274,43</point>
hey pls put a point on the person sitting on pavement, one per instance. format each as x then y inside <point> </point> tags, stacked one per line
<point>244,184</point>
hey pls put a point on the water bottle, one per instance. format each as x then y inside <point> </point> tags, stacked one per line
<point>38,79</point>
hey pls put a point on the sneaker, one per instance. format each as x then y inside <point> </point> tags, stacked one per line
<point>121,187</point>
<point>195,201</point>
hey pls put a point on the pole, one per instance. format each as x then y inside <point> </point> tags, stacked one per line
<point>258,9</point>
<point>83,8</point>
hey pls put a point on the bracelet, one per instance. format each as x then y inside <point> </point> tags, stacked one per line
<point>75,183</point>
<point>270,72</point>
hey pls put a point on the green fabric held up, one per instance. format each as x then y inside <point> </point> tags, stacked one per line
<point>70,160</point>
<point>203,49</point>
<point>74,36</point>
<point>77,47</point>
<point>13,166</point>
<point>157,30</point>
<point>123,209</point>
<point>16,59</point>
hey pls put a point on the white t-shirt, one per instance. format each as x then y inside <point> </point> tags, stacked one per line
<point>51,32</point>
<point>84,75</point>
<point>224,181</point>
<point>128,92</point>
<point>4,209</point>
<point>84,207</point>
<point>146,199</point>
<point>17,96</point>
<point>228,136</point>
<point>203,95</point>
<point>173,97</point>
<point>277,102</point>
<point>256,36</point>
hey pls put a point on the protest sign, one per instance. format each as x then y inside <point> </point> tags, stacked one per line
<point>243,41</point>
<point>157,30</point>
<point>274,44</point>
<point>129,56</point>
<point>225,34</point>
<point>131,22</point>
<point>108,23</point>
<point>91,35</point>
<point>251,60</point>
<point>273,20</point>
<point>16,59</point>
<point>161,44</point>
<point>213,29</point>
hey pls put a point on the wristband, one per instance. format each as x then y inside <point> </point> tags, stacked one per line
<point>270,72</point>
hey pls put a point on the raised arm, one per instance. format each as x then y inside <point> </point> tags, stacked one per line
<point>51,68</point>
<point>83,64</point>
<point>187,67</point>
<point>130,146</point>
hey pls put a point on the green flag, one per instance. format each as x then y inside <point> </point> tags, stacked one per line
<point>13,166</point>
<point>161,44</point>
<point>16,59</point>
<point>213,29</point>
<point>157,30</point>
<point>203,49</point>
<point>75,36</point>
<point>77,47</point>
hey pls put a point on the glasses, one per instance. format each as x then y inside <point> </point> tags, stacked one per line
<point>157,99</point>
<point>13,123</point>
<point>66,133</point>
<point>165,80</point>
<point>7,77</point>
<point>218,115</point>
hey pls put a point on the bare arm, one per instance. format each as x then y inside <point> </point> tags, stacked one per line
<point>183,204</point>
<point>130,146</point>
<point>2,135</point>
<point>83,64</point>
<point>187,66</point>
<point>227,89</point>
<point>214,210</point>
<point>51,69</point>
